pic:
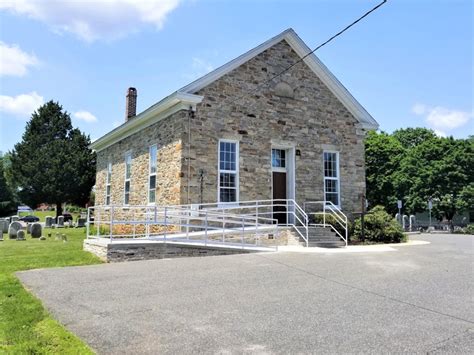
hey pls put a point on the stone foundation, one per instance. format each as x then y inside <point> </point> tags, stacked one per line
<point>142,249</point>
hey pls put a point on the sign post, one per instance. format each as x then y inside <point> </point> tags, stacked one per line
<point>400,205</point>
<point>430,206</point>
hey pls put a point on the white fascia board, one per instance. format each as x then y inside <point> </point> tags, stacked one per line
<point>166,107</point>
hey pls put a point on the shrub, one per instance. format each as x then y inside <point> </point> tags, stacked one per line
<point>469,229</point>
<point>379,227</point>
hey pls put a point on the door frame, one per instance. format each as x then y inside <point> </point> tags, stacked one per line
<point>290,173</point>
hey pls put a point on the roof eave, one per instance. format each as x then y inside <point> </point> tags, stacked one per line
<point>155,113</point>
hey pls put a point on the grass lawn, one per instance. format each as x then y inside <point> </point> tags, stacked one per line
<point>25,326</point>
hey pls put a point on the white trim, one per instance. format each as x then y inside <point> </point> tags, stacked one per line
<point>314,63</point>
<point>126,155</point>
<point>338,179</point>
<point>173,103</point>
<point>290,170</point>
<point>236,172</point>
<point>150,174</point>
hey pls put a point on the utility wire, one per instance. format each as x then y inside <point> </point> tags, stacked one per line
<point>308,54</point>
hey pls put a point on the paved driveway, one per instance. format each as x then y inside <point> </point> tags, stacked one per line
<point>416,299</point>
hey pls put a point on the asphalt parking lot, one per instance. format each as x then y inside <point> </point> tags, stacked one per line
<point>416,299</point>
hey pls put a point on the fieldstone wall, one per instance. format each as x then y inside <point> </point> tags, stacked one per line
<point>132,252</point>
<point>167,134</point>
<point>298,110</point>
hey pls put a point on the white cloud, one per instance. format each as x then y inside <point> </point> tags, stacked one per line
<point>199,67</point>
<point>15,62</point>
<point>442,119</point>
<point>21,105</point>
<point>418,109</point>
<point>85,116</point>
<point>91,20</point>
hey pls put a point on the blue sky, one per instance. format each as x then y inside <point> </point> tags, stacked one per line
<point>409,64</point>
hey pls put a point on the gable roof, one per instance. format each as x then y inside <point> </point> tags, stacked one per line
<point>185,97</point>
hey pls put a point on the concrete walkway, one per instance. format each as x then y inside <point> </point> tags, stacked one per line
<point>416,299</point>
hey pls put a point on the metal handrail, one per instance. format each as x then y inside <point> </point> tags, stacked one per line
<point>335,211</point>
<point>255,216</point>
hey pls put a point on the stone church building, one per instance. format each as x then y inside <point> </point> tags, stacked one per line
<point>234,136</point>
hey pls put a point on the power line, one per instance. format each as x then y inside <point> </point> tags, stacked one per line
<point>308,54</point>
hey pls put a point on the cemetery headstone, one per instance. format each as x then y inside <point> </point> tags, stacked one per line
<point>48,222</point>
<point>36,230</point>
<point>405,222</point>
<point>1,236</point>
<point>28,228</point>
<point>4,225</point>
<point>14,218</point>
<point>20,235</point>
<point>60,223</point>
<point>13,229</point>
<point>81,222</point>
<point>398,217</point>
<point>42,237</point>
<point>412,223</point>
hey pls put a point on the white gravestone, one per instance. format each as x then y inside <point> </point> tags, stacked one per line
<point>13,229</point>
<point>20,235</point>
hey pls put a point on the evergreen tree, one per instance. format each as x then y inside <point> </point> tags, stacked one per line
<point>53,162</point>
<point>7,201</point>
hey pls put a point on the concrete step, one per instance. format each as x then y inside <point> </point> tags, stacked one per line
<point>327,244</point>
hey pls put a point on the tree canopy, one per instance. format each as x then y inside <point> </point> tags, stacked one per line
<point>53,162</point>
<point>7,195</point>
<point>415,165</point>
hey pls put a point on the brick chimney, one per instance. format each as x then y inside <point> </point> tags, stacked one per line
<point>131,104</point>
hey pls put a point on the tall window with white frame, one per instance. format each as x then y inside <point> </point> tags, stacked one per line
<point>128,174</point>
<point>331,177</point>
<point>152,174</point>
<point>108,183</point>
<point>228,171</point>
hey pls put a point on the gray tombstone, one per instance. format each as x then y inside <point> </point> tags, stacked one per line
<point>20,235</point>
<point>1,236</point>
<point>48,222</point>
<point>412,223</point>
<point>398,218</point>
<point>60,223</point>
<point>405,222</point>
<point>13,229</point>
<point>4,225</point>
<point>14,218</point>
<point>81,222</point>
<point>36,230</point>
<point>28,228</point>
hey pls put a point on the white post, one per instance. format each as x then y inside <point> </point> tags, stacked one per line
<point>88,221</point>
<point>324,214</point>
<point>134,224</point>
<point>256,215</point>
<point>96,223</point>
<point>223,226</point>
<point>242,237</point>
<point>111,223</point>
<point>165,222</point>
<point>205,230</point>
